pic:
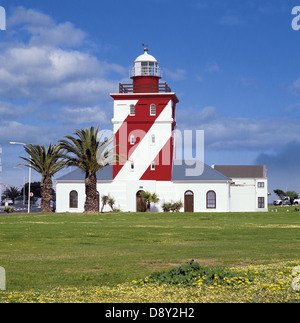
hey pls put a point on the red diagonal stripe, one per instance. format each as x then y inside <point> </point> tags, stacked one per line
<point>138,126</point>
<point>163,165</point>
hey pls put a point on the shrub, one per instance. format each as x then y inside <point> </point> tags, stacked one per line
<point>166,207</point>
<point>174,207</point>
<point>8,209</point>
<point>193,274</point>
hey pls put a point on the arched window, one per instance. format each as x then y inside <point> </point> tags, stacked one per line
<point>73,200</point>
<point>188,201</point>
<point>211,200</point>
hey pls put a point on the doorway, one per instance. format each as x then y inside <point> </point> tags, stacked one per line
<point>188,201</point>
<point>140,202</point>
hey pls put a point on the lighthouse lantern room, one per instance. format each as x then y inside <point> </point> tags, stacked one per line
<point>145,74</point>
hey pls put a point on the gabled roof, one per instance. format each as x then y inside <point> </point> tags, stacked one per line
<point>243,171</point>
<point>104,174</point>
<point>195,171</point>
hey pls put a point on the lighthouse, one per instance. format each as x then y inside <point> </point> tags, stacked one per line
<point>144,120</point>
<point>143,125</point>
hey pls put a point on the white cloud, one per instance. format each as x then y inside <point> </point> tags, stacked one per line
<point>199,78</point>
<point>44,30</point>
<point>230,133</point>
<point>49,68</point>
<point>212,67</point>
<point>19,132</point>
<point>48,74</point>
<point>249,82</point>
<point>63,34</point>
<point>231,19</point>
<point>295,87</point>
<point>96,114</point>
<point>31,17</point>
<point>9,111</point>
<point>178,75</point>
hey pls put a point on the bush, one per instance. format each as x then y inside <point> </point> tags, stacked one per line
<point>174,207</point>
<point>8,209</point>
<point>166,207</point>
<point>193,274</point>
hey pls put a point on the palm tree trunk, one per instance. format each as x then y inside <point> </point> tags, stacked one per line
<point>91,204</point>
<point>46,190</point>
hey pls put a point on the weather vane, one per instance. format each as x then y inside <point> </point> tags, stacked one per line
<point>145,47</point>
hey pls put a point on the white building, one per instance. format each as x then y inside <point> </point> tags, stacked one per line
<point>144,123</point>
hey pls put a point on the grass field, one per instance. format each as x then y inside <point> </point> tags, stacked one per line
<point>105,257</point>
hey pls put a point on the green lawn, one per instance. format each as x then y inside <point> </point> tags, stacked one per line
<point>42,252</point>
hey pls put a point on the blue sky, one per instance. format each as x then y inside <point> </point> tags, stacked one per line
<point>233,64</point>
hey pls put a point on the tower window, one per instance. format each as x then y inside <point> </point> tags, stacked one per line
<point>132,110</point>
<point>132,140</point>
<point>132,166</point>
<point>153,165</point>
<point>152,109</point>
<point>153,139</point>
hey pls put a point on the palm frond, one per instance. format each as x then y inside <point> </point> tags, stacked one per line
<point>85,149</point>
<point>47,162</point>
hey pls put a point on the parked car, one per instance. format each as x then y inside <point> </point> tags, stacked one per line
<point>286,201</point>
<point>296,202</point>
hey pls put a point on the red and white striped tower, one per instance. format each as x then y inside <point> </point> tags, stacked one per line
<point>144,120</point>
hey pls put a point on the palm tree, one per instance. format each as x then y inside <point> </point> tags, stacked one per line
<point>111,202</point>
<point>47,162</point>
<point>148,198</point>
<point>88,153</point>
<point>104,200</point>
<point>12,193</point>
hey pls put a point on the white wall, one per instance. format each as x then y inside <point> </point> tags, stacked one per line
<point>124,192</point>
<point>200,190</point>
<point>240,197</point>
<point>244,195</point>
<point>62,196</point>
